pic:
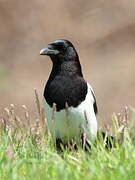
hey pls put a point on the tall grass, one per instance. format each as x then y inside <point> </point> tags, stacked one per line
<point>27,151</point>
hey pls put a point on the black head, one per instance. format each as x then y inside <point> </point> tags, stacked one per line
<point>65,83</point>
<point>62,50</point>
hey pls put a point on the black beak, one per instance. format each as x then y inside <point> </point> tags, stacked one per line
<point>49,52</point>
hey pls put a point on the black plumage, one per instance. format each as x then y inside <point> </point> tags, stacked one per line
<point>63,88</point>
<point>66,83</point>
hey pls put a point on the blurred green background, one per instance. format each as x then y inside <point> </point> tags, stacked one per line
<point>103,32</point>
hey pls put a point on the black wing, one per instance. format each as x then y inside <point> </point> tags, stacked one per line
<point>95,103</point>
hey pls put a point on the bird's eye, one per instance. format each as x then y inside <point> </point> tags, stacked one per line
<point>59,46</point>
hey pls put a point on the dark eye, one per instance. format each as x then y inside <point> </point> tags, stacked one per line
<point>60,46</point>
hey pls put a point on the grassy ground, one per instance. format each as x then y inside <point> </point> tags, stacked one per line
<point>27,152</point>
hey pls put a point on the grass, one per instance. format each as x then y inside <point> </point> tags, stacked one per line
<point>27,151</point>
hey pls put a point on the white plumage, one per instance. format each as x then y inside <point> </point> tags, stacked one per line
<point>71,123</point>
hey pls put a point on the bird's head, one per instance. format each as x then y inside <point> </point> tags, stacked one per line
<point>60,50</point>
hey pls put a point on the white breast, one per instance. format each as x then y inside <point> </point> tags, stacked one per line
<point>70,124</point>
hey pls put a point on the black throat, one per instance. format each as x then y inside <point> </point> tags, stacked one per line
<point>65,84</point>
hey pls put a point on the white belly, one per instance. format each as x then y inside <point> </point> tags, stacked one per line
<point>70,124</point>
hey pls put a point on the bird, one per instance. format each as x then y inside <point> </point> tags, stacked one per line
<point>69,100</point>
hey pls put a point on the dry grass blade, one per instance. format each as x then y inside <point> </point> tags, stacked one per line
<point>38,103</point>
<point>4,124</point>
<point>107,128</point>
<point>125,119</point>
<point>120,122</point>
<point>41,112</point>
<point>53,112</point>
<point>37,134</point>
<point>8,119</point>
<point>53,118</point>
<point>115,124</point>
<point>43,117</point>
<point>66,106</point>
<point>43,120</point>
<point>19,124</point>
<point>105,139</point>
<point>84,138</point>
<point>26,115</point>
<point>66,111</point>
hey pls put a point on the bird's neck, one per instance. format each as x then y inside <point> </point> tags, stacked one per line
<point>67,68</point>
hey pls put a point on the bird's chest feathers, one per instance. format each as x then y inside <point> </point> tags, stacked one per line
<point>62,86</point>
<point>66,123</point>
<point>62,90</point>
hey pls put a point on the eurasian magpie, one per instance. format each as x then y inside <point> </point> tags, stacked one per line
<point>72,95</point>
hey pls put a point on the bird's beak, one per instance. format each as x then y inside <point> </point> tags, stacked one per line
<point>47,51</point>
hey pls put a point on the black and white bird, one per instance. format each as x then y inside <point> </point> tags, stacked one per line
<point>66,86</point>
